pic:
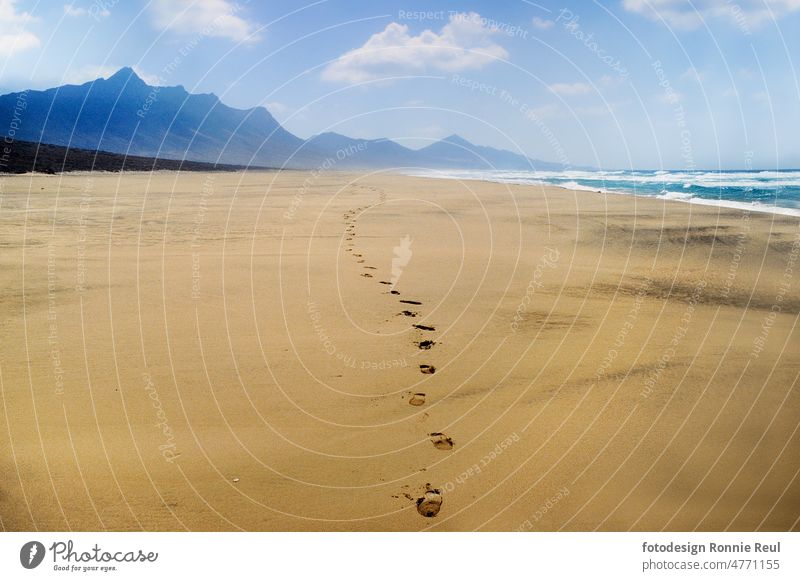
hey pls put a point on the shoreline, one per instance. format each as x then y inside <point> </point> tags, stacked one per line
<point>667,196</point>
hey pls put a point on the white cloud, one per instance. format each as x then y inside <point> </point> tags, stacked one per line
<point>541,23</point>
<point>747,74</point>
<point>152,80</point>
<point>276,107</point>
<point>281,111</point>
<point>463,43</point>
<point>217,18</point>
<point>684,15</point>
<point>569,89</point>
<point>670,98</point>
<point>692,74</point>
<point>87,73</point>
<point>761,97</point>
<point>74,11</point>
<point>13,35</point>
<point>610,81</point>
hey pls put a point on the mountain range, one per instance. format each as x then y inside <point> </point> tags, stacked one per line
<point>123,114</point>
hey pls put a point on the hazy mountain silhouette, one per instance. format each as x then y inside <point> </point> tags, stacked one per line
<point>123,114</point>
<point>363,153</point>
<point>455,151</point>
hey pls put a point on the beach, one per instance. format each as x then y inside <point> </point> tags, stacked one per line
<point>287,351</point>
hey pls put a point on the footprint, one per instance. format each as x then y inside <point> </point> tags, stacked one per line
<point>441,442</point>
<point>371,267</point>
<point>417,399</point>
<point>430,504</point>
<point>423,327</point>
<point>410,302</point>
<point>360,260</point>
<point>366,274</point>
<point>394,292</point>
<point>408,313</point>
<point>384,282</point>
<point>427,369</point>
<point>357,255</point>
<point>426,344</point>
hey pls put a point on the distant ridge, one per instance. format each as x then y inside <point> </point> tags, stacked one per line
<point>456,152</point>
<point>352,152</point>
<point>122,114</point>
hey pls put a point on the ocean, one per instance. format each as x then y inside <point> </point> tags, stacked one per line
<point>761,191</point>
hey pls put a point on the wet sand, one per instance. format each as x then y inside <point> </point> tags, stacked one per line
<point>265,351</point>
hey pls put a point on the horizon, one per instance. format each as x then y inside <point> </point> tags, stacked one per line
<point>627,85</point>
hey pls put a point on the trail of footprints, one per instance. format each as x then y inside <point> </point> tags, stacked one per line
<point>429,504</point>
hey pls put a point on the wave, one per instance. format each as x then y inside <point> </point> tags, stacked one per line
<point>581,187</point>
<point>750,206</point>
<point>665,195</point>
<point>777,192</point>
<point>763,185</point>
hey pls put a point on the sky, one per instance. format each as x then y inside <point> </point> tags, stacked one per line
<point>619,84</point>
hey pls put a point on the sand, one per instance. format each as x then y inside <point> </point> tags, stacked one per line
<point>222,352</point>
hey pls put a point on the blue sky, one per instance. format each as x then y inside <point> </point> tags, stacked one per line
<point>622,84</point>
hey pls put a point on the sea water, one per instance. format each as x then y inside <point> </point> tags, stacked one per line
<point>776,191</point>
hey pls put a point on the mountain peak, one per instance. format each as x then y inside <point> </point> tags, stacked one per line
<point>332,135</point>
<point>456,140</point>
<point>125,75</point>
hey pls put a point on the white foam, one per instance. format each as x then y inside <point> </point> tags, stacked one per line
<point>577,186</point>
<point>665,195</point>
<point>750,206</point>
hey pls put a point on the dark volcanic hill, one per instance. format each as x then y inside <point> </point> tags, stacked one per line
<point>125,115</point>
<point>25,156</point>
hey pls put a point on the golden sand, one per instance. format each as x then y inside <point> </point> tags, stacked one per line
<point>223,352</point>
